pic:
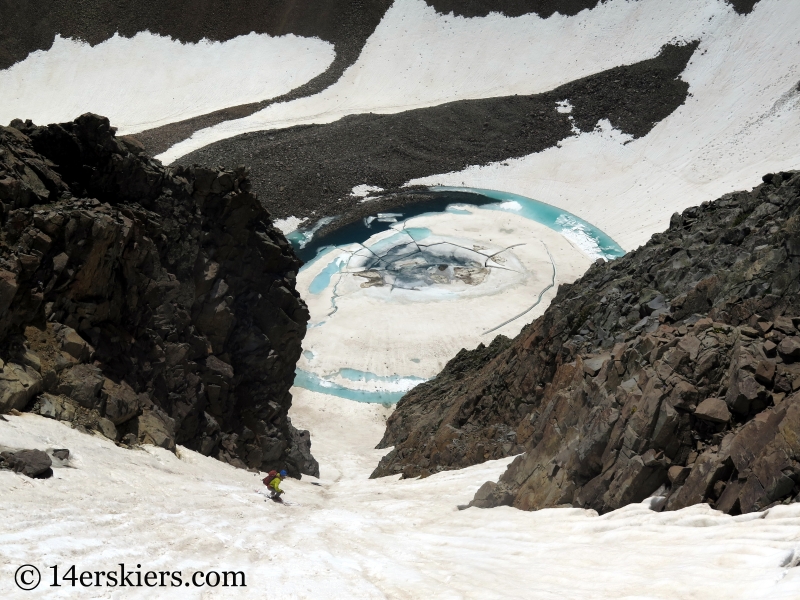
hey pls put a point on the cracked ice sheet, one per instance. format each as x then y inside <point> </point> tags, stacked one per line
<point>740,121</point>
<point>150,80</point>
<point>379,331</point>
<point>352,537</point>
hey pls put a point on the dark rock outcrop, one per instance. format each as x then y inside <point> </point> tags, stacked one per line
<point>674,369</point>
<point>543,8</point>
<point>150,304</point>
<point>33,463</point>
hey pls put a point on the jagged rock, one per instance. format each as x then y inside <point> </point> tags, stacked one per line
<point>82,383</point>
<point>492,494</point>
<point>673,366</point>
<point>301,452</point>
<point>72,343</point>
<point>677,474</point>
<point>150,304</point>
<point>121,403</point>
<point>107,428</point>
<point>33,463</point>
<point>156,428</point>
<point>765,372</point>
<point>789,348</point>
<point>61,453</point>
<point>714,410</point>
<point>18,385</point>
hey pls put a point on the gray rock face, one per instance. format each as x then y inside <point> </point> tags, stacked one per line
<point>675,366</point>
<point>145,303</point>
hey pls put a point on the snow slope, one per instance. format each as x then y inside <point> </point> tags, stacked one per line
<point>351,537</point>
<point>741,120</point>
<point>150,80</point>
<point>417,58</point>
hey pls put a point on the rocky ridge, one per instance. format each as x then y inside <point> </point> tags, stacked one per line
<point>147,304</point>
<point>673,371</point>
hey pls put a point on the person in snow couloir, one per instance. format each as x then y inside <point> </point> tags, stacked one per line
<point>273,482</point>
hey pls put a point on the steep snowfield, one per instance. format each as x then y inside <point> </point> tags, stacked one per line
<point>741,120</point>
<point>417,58</point>
<point>150,80</point>
<point>351,537</point>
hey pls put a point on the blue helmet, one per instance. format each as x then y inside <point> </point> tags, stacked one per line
<point>283,473</point>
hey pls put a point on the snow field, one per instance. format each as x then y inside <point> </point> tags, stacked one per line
<point>418,58</point>
<point>351,537</point>
<point>150,80</point>
<point>741,120</point>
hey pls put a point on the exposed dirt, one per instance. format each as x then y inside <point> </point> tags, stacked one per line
<point>309,171</point>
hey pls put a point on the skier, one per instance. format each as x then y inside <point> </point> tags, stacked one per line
<point>273,482</point>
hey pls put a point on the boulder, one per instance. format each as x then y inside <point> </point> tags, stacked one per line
<point>765,372</point>
<point>592,366</point>
<point>743,390</point>
<point>300,453</point>
<point>789,348</point>
<point>154,427</point>
<point>18,385</point>
<point>491,494</point>
<point>33,463</point>
<point>714,410</point>
<point>61,453</point>
<point>82,383</point>
<point>120,402</point>
<point>677,475</point>
<point>74,345</point>
<point>106,427</point>
<point>785,325</point>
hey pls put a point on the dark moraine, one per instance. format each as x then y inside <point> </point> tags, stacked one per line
<point>309,170</point>
<point>512,8</point>
<point>543,8</point>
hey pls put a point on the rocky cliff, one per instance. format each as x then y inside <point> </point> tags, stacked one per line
<point>149,304</point>
<point>674,370</point>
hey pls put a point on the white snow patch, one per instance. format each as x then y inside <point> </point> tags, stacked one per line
<point>511,205</point>
<point>417,58</point>
<point>289,224</point>
<point>564,107</point>
<point>364,190</point>
<point>150,80</point>
<point>352,537</point>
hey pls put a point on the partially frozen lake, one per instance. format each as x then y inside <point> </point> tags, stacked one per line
<point>395,295</point>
